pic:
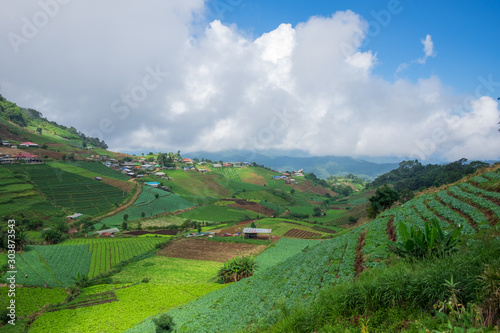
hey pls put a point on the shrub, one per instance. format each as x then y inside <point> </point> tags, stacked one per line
<point>164,323</point>
<point>236,269</point>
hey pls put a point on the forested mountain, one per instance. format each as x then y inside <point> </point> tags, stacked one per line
<point>414,175</point>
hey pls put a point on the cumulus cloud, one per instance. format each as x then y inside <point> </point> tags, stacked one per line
<point>143,81</point>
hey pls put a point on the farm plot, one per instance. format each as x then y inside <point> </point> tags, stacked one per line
<point>297,279</point>
<point>298,233</point>
<point>77,193</point>
<point>107,252</point>
<point>100,169</point>
<point>228,173</point>
<point>148,204</point>
<point>474,214</point>
<point>376,241</point>
<point>280,227</point>
<point>284,249</point>
<point>476,200</point>
<point>200,249</point>
<point>218,214</point>
<point>32,299</point>
<point>135,303</point>
<point>166,270</point>
<point>53,265</point>
<point>16,195</point>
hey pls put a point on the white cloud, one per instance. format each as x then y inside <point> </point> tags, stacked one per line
<point>291,88</point>
<point>428,49</point>
<point>428,52</point>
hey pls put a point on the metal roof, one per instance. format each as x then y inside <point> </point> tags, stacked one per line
<point>256,231</point>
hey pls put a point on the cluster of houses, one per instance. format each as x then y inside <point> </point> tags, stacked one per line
<point>23,156</point>
<point>288,178</point>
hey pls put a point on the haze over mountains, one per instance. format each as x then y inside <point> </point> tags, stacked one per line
<point>322,166</point>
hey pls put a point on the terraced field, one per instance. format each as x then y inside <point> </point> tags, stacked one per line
<point>150,205</point>
<point>107,252</point>
<point>71,191</point>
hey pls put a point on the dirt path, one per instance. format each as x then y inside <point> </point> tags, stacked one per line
<point>125,206</point>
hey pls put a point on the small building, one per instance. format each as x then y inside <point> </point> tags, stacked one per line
<point>73,217</point>
<point>108,232</point>
<point>160,174</point>
<point>28,144</point>
<point>253,233</point>
<point>153,184</point>
<point>146,167</point>
<point>188,161</point>
<point>217,165</point>
<point>98,178</point>
<point>5,143</point>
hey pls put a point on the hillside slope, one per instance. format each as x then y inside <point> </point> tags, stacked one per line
<point>259,301</point>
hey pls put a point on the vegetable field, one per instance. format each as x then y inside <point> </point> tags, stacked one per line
<point>297,279</point>
<point>135,303</point>
<point>107,252</point>
<point>54,265</point>
<point>32,299</point>
<point>165,270</point>
<point>76,193</point>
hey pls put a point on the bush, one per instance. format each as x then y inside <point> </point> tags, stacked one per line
<point>164,323</point>
<point>236,269</point>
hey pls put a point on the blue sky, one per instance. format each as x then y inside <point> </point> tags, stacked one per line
<point>466,34</point>
<point>404,79</point>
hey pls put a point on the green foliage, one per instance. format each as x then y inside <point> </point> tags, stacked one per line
<point>414,176</point>
<point>236,269</point>
<point>164,323</point>
<point>432,241</point>
<point>383,198</point>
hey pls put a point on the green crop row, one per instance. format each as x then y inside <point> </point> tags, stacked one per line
<point>479,201</point>
<point>108,252</point>
<point>479,191</point>
<point>376,242</point>
<point>449,214</point>
<point>478,217</point>
<point>73,191</point>
<point>52,265</point>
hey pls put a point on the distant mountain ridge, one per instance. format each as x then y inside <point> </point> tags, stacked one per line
<point>321,166</point>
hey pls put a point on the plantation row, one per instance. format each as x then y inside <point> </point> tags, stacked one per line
<point>69,190</point>
<point>107,253</point>
<point>228,173</point>
<point>53,265</point>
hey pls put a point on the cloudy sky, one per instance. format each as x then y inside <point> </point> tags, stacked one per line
<point>353,78</point>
